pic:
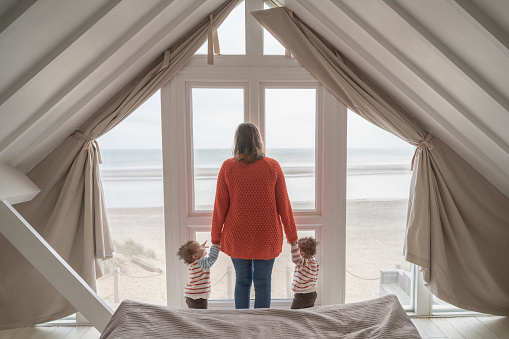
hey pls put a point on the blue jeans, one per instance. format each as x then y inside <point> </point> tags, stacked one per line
<point>260,273</point>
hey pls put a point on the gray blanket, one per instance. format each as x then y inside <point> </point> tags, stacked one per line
<point>378,318</point>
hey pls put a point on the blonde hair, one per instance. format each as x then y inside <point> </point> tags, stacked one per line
<point>308,245</point>
<point>186,253</point>
<point>248,144</point>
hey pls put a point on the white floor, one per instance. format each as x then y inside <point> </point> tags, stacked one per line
<point>54,332</point>
<point>489,327</point>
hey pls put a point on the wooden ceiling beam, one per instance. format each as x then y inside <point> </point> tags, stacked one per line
<point>417,72</point>
<point>56,52</point>
<point>372,60</point>
<point>53,267</point>
<point>432,84</point>
<point>486,25</point>
<point>460,67</point>
<point>14,13</point>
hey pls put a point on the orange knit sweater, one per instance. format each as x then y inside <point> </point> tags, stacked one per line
<point>251,203</point>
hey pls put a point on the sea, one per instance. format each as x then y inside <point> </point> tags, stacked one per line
<point>133,178</point>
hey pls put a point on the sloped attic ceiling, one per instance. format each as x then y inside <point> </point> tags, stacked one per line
<point>445,61</point>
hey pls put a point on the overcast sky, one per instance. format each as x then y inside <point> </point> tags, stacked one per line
<point>289,123</point>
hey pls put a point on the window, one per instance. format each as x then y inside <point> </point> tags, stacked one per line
<point>270,45</point>
<point>289,115</point>
<point>282,273</point>
<point>231,34</point>
<point>216,112</point>
<point>378,181</point>
<point>202,106</point>
<point>131,174</point>
<point>290,125</point>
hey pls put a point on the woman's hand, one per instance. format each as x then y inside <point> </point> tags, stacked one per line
<point>293,243</point>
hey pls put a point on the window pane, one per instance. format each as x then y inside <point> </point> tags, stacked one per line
<point>222,274</point>
<point>270,45</point>
<point>231,33</point>
<point>131,174</point>
<point>216,113</point>
<point>290,124</point>
<point>378,182</point>
<point>282,273</point>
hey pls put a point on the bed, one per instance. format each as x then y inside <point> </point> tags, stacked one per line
<point>378,318</point>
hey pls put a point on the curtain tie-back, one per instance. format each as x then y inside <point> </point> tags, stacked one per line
<point>217,50</point>
<point>91,142</point>
<point>213,42</point>
<point>424,142</point>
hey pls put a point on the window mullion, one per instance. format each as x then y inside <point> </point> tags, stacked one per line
<point>254,32</point>
<point>255,105</point>
<point>333,199</point>
<point>172,102</point>
<point>423,297</point>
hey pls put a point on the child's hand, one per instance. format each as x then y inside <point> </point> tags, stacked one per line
<point>294,243</point>
<point>203,245</point>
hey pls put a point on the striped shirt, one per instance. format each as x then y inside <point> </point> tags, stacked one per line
<point>305,274</point>
<point>199,285</point>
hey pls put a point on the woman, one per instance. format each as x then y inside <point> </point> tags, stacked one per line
<point>251,202</point>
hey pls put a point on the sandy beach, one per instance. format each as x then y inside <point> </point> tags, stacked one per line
<point>375,233</point>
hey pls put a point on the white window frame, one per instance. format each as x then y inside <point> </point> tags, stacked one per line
<point>329,216</point>
<point>254,70</point>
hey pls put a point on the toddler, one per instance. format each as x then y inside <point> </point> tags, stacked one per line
<point>305,274</point>
<point>198,288</point>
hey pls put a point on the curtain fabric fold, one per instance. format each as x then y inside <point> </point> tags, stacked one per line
<point>458,222</point>
<point>69,212</point>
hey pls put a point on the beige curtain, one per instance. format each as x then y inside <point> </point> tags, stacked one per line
<point>69,212</point>
<point>458,222</point>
